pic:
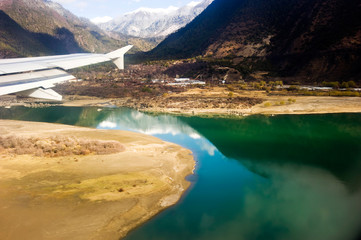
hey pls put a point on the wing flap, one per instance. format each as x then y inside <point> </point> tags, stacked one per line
<point>25,81</point>
<point>66,62</point>
<point>34,76</point>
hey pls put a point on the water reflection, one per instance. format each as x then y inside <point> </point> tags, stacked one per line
<point>87,117</point>
<point>298,202</point>
<point>331,142</point>
<point>156,125</point>
<point>286,177</point>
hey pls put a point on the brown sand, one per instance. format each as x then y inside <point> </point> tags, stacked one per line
<point>308,105</point>
<point>271,105</point>
<point>87,197</point>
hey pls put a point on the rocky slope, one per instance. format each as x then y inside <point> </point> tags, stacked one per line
<point>311,40</point>
<point>38,27</point>
<point>155,23</point>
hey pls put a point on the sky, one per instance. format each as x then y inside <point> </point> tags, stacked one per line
<point>112,8</point>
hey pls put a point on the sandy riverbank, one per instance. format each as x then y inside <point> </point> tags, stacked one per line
<point>87,197</point>
<point>216,101</point>
<point>201,102</point>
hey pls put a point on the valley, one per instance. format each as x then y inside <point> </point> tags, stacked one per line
<point>152,88</point>
<point>227,119</point>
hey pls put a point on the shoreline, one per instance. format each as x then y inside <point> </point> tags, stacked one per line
<point>91,196</point>
<point>190,104</point>
<point>325,106</point>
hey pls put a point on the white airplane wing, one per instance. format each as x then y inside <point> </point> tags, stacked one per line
<point>36,75</point>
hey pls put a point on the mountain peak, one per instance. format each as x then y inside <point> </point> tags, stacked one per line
<point>165,11</point>
<point>155,22</point>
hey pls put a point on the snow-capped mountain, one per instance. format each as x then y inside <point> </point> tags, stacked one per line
<point>158,22</point>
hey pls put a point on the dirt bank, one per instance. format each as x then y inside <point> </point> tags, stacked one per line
<point>215,101</point>
<point>219,101</point>
<point>87,196</point>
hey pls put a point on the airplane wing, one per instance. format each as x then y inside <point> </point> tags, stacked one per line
<point>36,75</point>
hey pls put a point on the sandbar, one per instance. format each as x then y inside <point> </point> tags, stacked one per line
<point>87,196</point>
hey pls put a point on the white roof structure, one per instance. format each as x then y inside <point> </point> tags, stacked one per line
<point>36,75</point>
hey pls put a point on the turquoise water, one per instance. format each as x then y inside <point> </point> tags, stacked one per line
<point>257,178</point>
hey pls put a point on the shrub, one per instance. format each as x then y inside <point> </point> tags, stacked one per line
<point>345,85</point>
<point>243,86</point>
<point>293,88</point>
<point>279,83</point>
<point>291,100</point>
<point>230,87</point>
<point>257,86</point>
<point>267,104</point>
<point>331,84</point>
<point>344,94</point>
<point>146,89</point>
<point>351,84</point>
<point>57,146</point>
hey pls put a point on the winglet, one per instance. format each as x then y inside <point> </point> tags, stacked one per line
<point>117,56</point>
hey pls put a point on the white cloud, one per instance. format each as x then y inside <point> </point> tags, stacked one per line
<point>108,124</point>
<point>99,20</point>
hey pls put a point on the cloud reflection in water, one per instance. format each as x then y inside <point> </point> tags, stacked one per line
<point>132,120</point>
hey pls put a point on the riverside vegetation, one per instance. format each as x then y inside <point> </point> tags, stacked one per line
<point>144,86</point>
<point>57,146</point>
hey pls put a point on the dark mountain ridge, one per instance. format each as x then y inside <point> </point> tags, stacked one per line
<point>311,40</point>
<point>198,34</point>
<point>15,40</point>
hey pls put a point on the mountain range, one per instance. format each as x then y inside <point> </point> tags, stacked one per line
<point>312,40</point>
<point>155,23</point>
<point>298,40</point>
<point>41,27</point>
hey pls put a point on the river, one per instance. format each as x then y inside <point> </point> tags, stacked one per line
<point>257,178</point>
